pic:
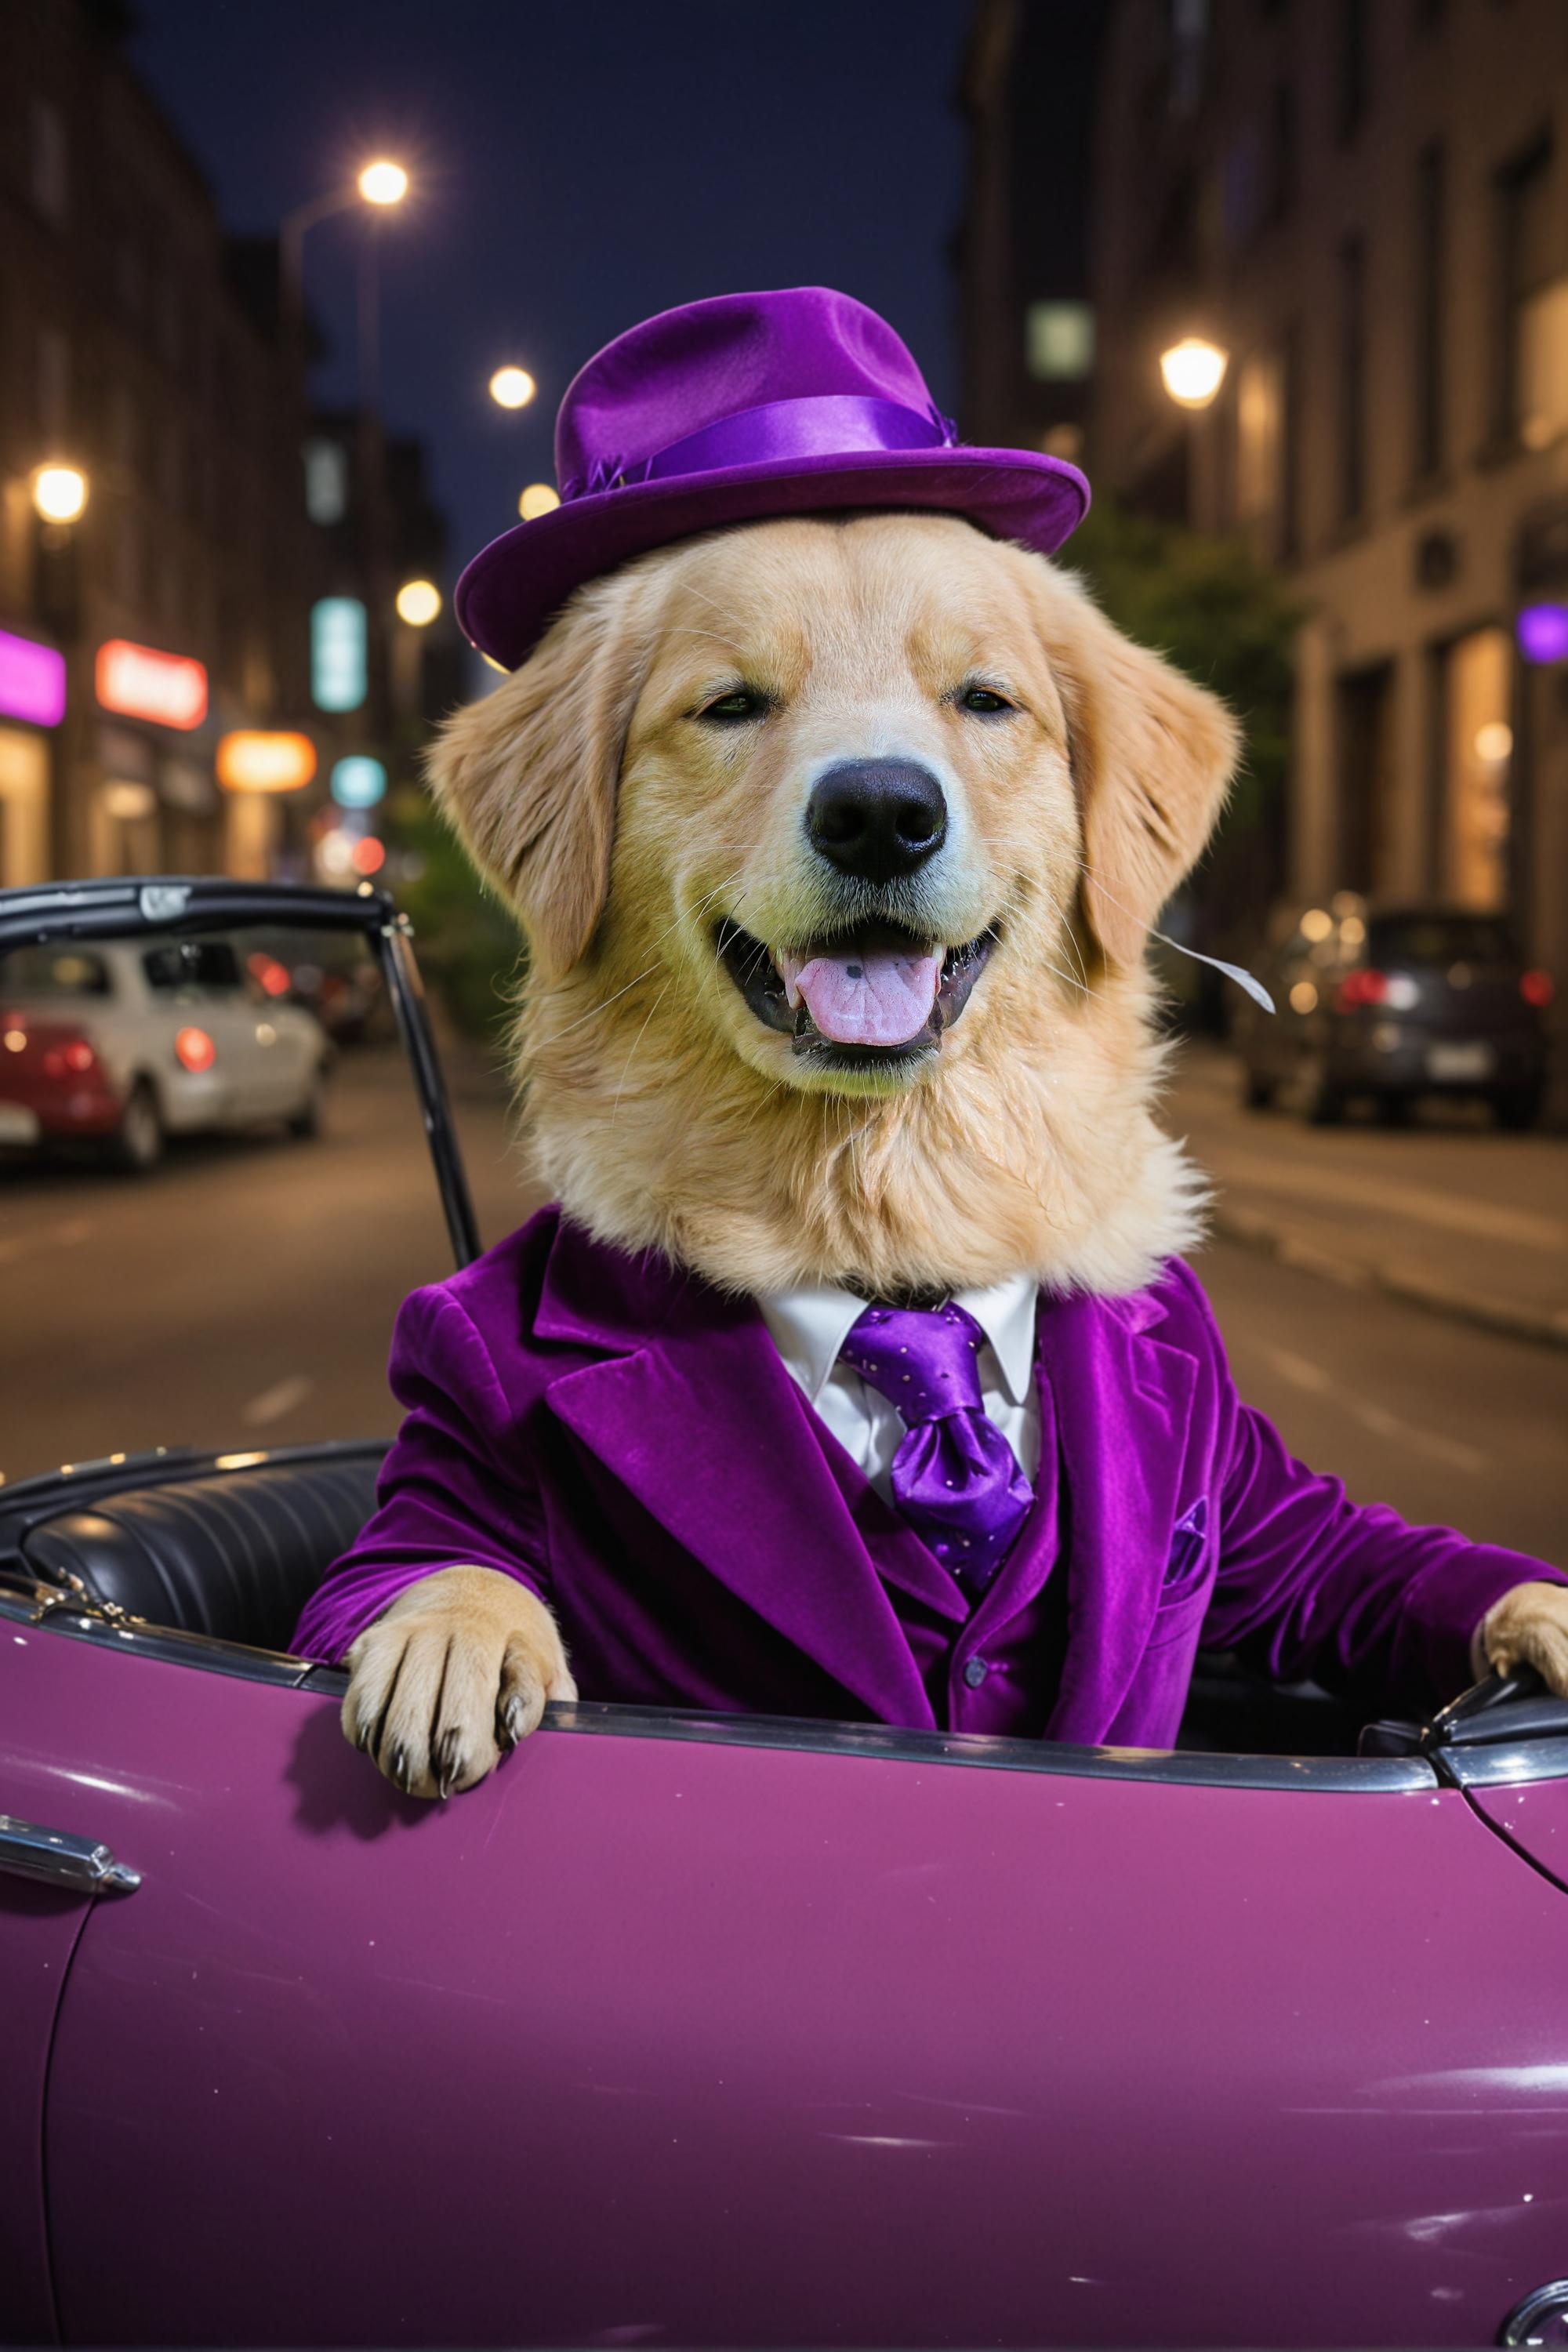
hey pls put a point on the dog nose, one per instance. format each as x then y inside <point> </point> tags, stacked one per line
<point>876,819</point>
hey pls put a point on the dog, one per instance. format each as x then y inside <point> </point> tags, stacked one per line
<point>836,840</point>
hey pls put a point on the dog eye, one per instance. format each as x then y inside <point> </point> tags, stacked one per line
<point>741,702</point>
<point>985,701</point>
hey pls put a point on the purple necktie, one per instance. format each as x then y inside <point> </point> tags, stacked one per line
<point>955,1478</point>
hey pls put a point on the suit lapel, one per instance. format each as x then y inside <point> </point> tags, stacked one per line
<point>699,1421</point>
<point>1123,1402</point>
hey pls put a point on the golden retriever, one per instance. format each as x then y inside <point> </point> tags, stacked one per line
<point>930,1075</point>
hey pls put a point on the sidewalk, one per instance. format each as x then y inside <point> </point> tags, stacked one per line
<point>1446,1213</point>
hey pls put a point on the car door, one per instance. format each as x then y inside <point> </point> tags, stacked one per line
<point>711,2031</point>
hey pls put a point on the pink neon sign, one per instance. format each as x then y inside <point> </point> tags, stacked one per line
<point>32,681</point>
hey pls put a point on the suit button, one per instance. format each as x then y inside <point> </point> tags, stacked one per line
<point>975,1672</point>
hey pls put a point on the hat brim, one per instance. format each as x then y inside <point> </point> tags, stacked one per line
<point>509,593</point>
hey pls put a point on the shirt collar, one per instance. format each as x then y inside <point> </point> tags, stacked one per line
<point>810,1324</point>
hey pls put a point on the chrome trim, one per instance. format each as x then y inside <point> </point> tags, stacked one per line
<point>58,1612</point>
<point>1504,1762</point>
<point>1548,2302</point>
<point>1386,1775</point>
<point>76,1866</point>
<point>1341,1775</point>
<point>1338,1773</point>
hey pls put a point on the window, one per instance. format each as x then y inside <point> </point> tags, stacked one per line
<point>1431,201</point>
<point>1283,151</point>
<point>1477,747</point>
<point>1543,366</point>
<point>1524,199</point>
<point>1350,69</point>
<point>1259,438</point>
<point>48,176</point>
<point>327,473</point>
<point>1059,345</point>
<point>1367,772</point>
<point>1353,378</point>
<point>1439,938</point>
<point>193,963</point>
<point>54,972</point>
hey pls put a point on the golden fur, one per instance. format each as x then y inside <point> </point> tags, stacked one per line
<point>660,1112</point>
<point>624,829</point>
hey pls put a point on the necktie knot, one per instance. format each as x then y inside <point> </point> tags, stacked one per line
<point>924,1360</point>
<point>954,1477</point>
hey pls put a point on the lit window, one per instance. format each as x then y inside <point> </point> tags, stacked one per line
<point>326,481</point>
<point>1259,437</point>
<point>1058,340</point>
<point>1544,366</point>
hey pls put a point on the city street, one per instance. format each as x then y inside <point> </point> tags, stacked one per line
<point>243,1295</point>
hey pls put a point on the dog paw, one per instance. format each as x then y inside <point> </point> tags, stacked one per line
<point>1529,1627</point>
<point>456,1672</point>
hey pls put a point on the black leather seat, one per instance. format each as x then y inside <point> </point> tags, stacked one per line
<point>237,1554</point>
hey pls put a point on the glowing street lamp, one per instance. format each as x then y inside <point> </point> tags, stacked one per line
<point>1193,371</point>
<point>59,492</point>
<point>513,387</point>
<point>538,499</point>
<point>418,602</point>
<point>383,183</point>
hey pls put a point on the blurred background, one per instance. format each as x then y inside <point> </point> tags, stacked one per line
<point>288,298</point>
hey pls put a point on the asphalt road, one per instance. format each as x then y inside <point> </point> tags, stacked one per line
<point>243,1296</point>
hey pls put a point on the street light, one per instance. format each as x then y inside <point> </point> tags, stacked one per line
<point>418,602</point>
<point>1193,371</point>
<point>539,499</point>
<point>513,387</point>
<point>59,492</point>
<point>383,183</point>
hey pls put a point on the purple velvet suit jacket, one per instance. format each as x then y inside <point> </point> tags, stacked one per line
<point>625,1440</point>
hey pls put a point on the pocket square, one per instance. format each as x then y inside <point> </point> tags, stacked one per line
<point>1188,1538</point>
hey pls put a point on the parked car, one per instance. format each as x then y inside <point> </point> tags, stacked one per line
<point>715,2030</point>
<point>343,992</point>
<point>120,1043</point>
<point>1392,1004</point>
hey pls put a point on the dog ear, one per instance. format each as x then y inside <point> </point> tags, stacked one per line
<point>1153,756</point>
<point>528,775</point>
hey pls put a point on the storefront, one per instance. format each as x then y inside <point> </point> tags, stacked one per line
<point>32,705</point>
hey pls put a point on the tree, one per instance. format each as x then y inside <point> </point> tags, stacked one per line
<point>1228,622</point>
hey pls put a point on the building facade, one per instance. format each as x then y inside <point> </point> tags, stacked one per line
<point>1022,253</point>
<point>235,566</point>
<point>1365,203</point>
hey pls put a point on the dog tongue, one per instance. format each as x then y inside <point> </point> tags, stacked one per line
<point>873,996</point>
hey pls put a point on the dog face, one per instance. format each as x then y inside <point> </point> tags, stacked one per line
<point>816,810</point>
<point>840,764</point>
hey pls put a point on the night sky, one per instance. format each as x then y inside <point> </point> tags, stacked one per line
<point>577,167</point>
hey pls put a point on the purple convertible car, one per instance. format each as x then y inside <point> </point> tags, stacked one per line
<point>709,2029</point>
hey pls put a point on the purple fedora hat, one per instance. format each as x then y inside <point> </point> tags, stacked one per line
<point>728,411</point>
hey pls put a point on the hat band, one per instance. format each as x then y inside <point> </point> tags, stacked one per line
<point>827,425</point>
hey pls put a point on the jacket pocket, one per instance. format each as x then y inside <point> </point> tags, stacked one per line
<point>1189,1549</point>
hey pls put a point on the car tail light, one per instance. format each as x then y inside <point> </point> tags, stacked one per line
<point>1359,988</point>
<point>70,1058</point>
<point>1536,988</point>
<point>194,1050</point>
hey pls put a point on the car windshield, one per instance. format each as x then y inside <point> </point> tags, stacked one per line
<point>36,972</point>
<point>216,1189</point>
<point>1440,939</point>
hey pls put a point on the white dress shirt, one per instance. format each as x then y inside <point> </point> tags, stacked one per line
<point>810,1326</point>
